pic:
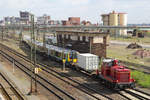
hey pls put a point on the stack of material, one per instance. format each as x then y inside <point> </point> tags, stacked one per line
<point>133,46</point>
<point>142,53</point>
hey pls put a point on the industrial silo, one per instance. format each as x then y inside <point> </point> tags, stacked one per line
<point>105,19</point>
<point>122,18</point>
<point>113,19</point>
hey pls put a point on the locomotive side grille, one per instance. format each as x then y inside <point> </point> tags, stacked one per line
<point>124,77</point>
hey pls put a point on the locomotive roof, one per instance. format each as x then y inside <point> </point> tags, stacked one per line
<point>107,60</point>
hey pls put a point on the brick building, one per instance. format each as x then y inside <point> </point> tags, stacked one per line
<point>74,20</point>
<point>65,23</point>
<point>71,21</point>
<point>84,42</point>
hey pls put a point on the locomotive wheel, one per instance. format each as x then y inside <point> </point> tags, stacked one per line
<point>110,85</point>
<point>116,87</point>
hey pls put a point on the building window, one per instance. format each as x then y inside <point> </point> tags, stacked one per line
<point>65,36</point>
<point>83,38</point>
<point>69,37</point>
<point>78,38</point>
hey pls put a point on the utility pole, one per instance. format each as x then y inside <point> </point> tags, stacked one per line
<point>90,39</point>
<point>64,60</point>
<point>14,31</point>
<point>34,38</point>
<point>31,37</point>
<point>20,35</point>
<point>2,33</point>
<point>33,54</point>
<point>44,44</point>
<point>1,41</point>
<point>37,35</point>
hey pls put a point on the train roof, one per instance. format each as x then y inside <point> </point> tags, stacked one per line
<point>59,49</point>
<point>50,47</point>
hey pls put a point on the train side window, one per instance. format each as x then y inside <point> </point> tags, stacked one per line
<point>75,55</point>
<point>104,64</point>
<point>71,56</point>
<point>64,56</point>
<point>56,54</point>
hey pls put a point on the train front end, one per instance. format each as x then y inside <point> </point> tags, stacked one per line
<point>115,75</point>
<point>122,78</point>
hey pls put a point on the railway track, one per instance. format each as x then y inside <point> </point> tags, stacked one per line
<point>82,87</point>
<point>138,94</point>
<point>54,72</point>
<point>9,91</point>
<point>132,94</point>
<point>48,85</point>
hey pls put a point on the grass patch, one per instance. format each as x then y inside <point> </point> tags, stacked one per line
<point>141,79</point>
<point>121,53</point>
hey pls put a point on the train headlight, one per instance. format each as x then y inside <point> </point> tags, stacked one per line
<point>117,81</point>
<point>69,59</point>
<point>74,60</point>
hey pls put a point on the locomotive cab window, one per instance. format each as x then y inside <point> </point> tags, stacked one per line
<point>108,64</point>
<point>71,55</point>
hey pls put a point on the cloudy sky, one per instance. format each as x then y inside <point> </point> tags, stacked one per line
<point>138,10</point>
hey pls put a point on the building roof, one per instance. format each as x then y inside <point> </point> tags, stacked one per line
<point>104,14</point>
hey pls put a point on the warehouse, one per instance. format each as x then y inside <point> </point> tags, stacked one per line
<point>84,42</point>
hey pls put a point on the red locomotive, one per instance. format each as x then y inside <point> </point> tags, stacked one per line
<point>115,76</point>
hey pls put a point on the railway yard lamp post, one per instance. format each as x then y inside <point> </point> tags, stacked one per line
<point>35,72</point>
<point>1,41</point>
<point>44,33</point>
<point>30,59</point>
<point>31,54</point>
<point>64,60</point>
<point>20,35</point>
<point>2,31</point>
